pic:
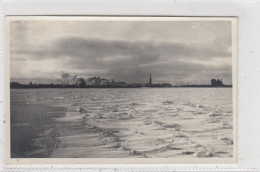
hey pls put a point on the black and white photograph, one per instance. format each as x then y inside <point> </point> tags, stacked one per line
<point>122,87</point>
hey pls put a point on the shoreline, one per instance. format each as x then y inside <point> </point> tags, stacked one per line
<point>228,86</point>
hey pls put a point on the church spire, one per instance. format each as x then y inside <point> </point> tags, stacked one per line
<point>150,81</point>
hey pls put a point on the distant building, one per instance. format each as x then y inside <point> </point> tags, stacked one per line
<point>68,79</point>
<point>97,81</point>
<point>81,82</point>
<point>216,83</point>
<point>104,82</point>
<point>120,84</point>
<point>93,81</point>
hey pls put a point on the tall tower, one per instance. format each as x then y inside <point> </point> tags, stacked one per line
<point>150,81</point>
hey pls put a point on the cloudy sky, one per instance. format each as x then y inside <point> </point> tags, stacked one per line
<point>172,51</point>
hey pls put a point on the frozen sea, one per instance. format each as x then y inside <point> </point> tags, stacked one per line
<point>122,123</point>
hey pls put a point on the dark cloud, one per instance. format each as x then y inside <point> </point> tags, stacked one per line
<point>88,48</point>
<point>133,60</point>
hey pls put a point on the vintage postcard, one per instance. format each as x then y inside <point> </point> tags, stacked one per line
<point>120,90</point>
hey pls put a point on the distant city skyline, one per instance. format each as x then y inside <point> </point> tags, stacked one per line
<point>172,51</point>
